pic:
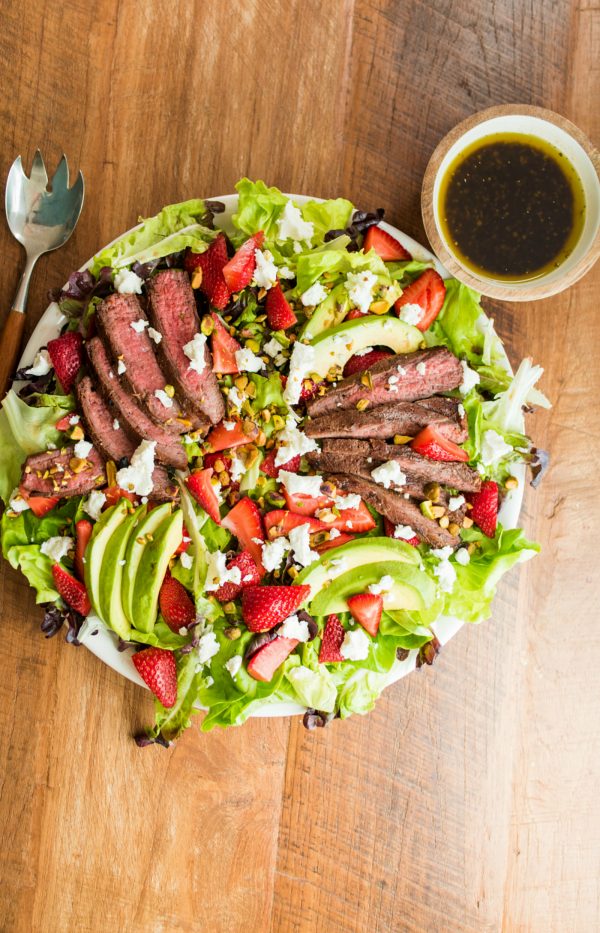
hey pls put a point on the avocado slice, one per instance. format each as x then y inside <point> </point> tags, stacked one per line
<point>111,574</point>
<point>152,569</point>
<point>335,346</point>
<point>133,554</point>
<point>330,312</point>
<point>411,589</point>
<point>103,531</point>
<point>355,555</point>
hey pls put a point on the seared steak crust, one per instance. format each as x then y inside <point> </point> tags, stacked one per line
<point>62,481</point>
<point>405,418</point>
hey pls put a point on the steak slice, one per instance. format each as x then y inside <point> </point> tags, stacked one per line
<point>406,418</point>
<point>142,373</point>
<point>128,412</point>
<point>50,473</point>
<point>442,372</point>
<point>99,422</point>
<point>394,506</point>
<point>165,488</point>
<point>172,312</point>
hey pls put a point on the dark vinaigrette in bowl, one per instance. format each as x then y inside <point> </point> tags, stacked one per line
<point>511,207</point>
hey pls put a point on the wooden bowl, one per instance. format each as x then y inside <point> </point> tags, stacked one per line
<point>531,121</point>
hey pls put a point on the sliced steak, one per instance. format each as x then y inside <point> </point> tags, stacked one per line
<point>137,351</point>
<point>99,422</point>
<point>394,506</point>
<point>402,377</point>
<point>50,473</point>
<point>128,412</point>
<point>165,488</point>
<point>407,418</point>
<point>172,312</point>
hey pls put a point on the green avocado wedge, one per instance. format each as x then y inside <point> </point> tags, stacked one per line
<point>103,531</point>
<point>335,346</point>
<point>133,554</point>
<point>152,569</point>
<point>411,588</point>
<point>111,574</point>
<point>355,555</point>
<point>329,313</point>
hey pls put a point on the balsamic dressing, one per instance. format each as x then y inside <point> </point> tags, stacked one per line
<point>511,207</point>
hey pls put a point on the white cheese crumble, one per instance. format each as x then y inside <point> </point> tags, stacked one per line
<point>389,474</point>
<point>272,348</point>
<point>286,273</point>
<point>187,561</point>
<point>265,272</point>
<point>237,469</point>
<point>139,325</point>
<point>351,501</point>
<point>121,368</point>
<point>412,314</point>
<point>57,548</point>
<point>384,586</point>
<point>444,571</point>
<point>137,477</point>
<point>359,286</point>
<point>364,352</point>
<point>163,398</point>
<point>355,646</point>
<point>455,502</point>
<point>404,532</point>
<point>208,647</point>
<point>41,365</point>
<point>470,378</point>
<point>421,368</point>
<point>82,449</point>
<point>294,443</point>
<point>234,397</point>
<point>494,448</point>
<point>247,361</point>
<point>334,533</point>
<point>234,664</point>
<point>116,424</point>
<point>313,295</point>
<point>462,556</point>
<point>74,419</point>
<point>461,410</point>
<point>300,485</point>
<point>292,225</point>
<point>218,573</point>
<point>299,538</point>
<point>128,282</point>
<point>401,370</point>
<point>155,335</point>
<point>293,627</point>
<point>195,351</point>
<point>302,362</point>
<point>17,503</point>
<point>273,553</point>
<point>93,504</point>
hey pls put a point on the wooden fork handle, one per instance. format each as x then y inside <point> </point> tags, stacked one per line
<point>10,344</point>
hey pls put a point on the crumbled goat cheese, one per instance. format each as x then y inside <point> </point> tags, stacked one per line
<point>234,397</point>
<point>421,368</point>
<point>187,561</point>
<point>364,352</point>
<point>82,449</point>
<point>401,370</point>
<point>334,533</point>
<point>461,410</point>
<point>404,532</point>
<point>384,586</point>
<point>302,362</point>
<point>229,425</point>
<point>293,443</point>
<point>208,647</point>
<point>163,398</point>
<point>462,556</point>
<point>444,571</point>
<point>17,503</point>
<point>116,424</point>
<point>74,419</point>
<point>293,627</point>
<point>470,378</point>
<point>237,469</point>
<point>286,273</point>
<point>155,335</point>
<point>93,504</point>
<point>299,539</point>
<point>265,272</point>
<point>412,314</point>
<point>355,646</point>
<point>359,286</point>
<point>56,548</point>
<point>393,380</point>
<point>388,474</point>
<point>494,448</point>
<point>351,501</point>
<point>273,553</point>
<point>300,485</point>
<point>455,502</point>
<point>234,664</point>
<point>41,365</point>
<point>218,573</point>
<point>313,295</point>
<point>128,282</point>
<point>292,225</point>
<point>272,348</point>
<point>137,477</point>
<point>248,362</point>
<point>195,351</point>
<point>121,368</point>
<point>139,325</point>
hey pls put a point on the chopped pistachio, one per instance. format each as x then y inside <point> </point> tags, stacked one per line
<point>453,528</point>
<point>427,508</point>
<point>362,404</point>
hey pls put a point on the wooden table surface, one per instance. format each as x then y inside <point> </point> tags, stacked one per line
<point>467,801</point>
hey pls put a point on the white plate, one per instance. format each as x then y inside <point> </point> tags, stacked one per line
<point>103,643</point>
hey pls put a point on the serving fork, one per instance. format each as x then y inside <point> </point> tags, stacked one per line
<point>41,220</point>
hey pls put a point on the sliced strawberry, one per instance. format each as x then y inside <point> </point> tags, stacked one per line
<point>358,364</point>
<point>268,465</point>
<point>224,347</point>
<point>83,532</point>
<point>66,355</point>
<point>390,530</point>
<point>367,608</point>
<point>244,521</point>
<point>309,389</point>
<point>279,312</point>
<point>203,491</point>
<point>305,505</point>
<point>72,591</point>
<point>354,520</point>
<point>39,505</point>
<point>185,542</point>
<point>385,245</point>
<point>223,438</point>
<point>279,523</point>
<point>263,664</point>
<point>114,493</point>
<point>239,271</point>
<point>158,670</point>
<point>355,313</point>
<point>175,604</point>
<point>264,607</point>
<point>210,460</point>
<point>249,573</point>
<point>430,443</point>
<point>212,262</point>
<point>64,423</point>
<point>485,507</point>
<point>429,292</point>
<point>331,641</point>
<point>334,542</point>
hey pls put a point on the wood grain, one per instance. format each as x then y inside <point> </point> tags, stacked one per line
<point>467,800</point>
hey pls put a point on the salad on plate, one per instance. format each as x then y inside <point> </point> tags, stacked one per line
<point>268,455</point>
